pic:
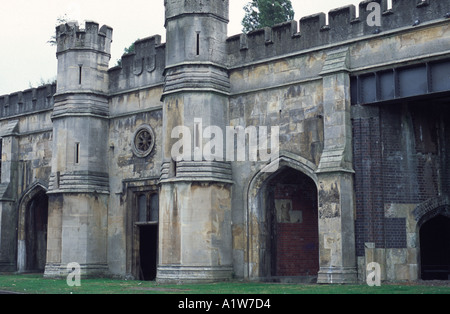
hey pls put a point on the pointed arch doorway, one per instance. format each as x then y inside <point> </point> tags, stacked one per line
<point>282,222</point>
<point>32,233</point>
<point>293,225</point>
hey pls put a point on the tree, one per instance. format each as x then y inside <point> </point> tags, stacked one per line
<point>126,51</point>
<point>266,13</point>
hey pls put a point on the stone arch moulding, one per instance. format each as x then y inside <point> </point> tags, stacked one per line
<point>432,208</point>
<point>254,211</point>
<point>34,189</point>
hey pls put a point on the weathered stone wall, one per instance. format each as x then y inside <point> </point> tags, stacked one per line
<point>26,132</point>
<point>343,26</point>
<point>129,112</point>
<point>142,68</point>
<point>285,93</point>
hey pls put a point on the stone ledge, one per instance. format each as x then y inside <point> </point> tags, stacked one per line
<point>175,274</point>
<point>337,275</point>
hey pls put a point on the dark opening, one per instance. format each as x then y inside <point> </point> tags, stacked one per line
<point>79,74</point>
<point>77,153</point>
<point>148,250</point>
<point>58,178</point>
<point>293,223</point>
<point>146,235</point>
<point>198,44</point>
<point>36,221</point>
<point>435,249</point>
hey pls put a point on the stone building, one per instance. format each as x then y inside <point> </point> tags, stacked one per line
<point>360,174</point>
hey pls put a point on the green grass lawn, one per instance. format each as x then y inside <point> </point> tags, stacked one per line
<point>35,284</point>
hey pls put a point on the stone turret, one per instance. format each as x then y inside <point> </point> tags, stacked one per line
<point>196,45</point>
<point>196,191</point>
<point>79,182</point>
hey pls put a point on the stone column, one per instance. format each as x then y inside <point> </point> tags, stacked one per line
<point>335,175</point>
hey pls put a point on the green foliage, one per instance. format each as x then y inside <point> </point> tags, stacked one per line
<point>265,13</point>
<point>126,51</point>
<point>129,49</point>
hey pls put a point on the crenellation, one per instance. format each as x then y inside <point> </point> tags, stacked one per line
<point>342,22</point>
<point>313,30</point>
<point>285,31</point>
<point>343,25</point>
<point>143,67</point>
<point>28,101</point>
<point>71,36</point>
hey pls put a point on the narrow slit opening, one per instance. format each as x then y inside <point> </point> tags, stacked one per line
<point>198,44</point>
<point>77,153</point>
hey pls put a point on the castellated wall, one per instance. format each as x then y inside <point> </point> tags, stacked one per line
<point>284,39</point>
<point>140,69</point>
<point>26,116</point>
<point>26,154</point>
<point>313,31</point>
<point>145,67</point>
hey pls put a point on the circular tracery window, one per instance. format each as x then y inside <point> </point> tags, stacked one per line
<point>144,141</point>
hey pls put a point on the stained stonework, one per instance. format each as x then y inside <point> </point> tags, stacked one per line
<point>362,158</point>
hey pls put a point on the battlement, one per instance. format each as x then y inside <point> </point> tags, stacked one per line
<point>313,31</point>
<point>219,8</point>
<point>28,101</point>
<point>143,67</point>
<point>71,36</point>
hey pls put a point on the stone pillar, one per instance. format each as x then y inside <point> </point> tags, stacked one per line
<point>335,175</point>
<point>195,242</point>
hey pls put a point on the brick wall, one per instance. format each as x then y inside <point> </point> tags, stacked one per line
<point>368,182</point>
<point>400,157</point>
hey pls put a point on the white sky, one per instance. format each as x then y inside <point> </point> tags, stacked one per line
<point>26,26</point>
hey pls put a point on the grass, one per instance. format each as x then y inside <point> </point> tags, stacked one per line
<point>36,284</point>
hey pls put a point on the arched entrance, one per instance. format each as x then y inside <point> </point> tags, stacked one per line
<point>282,222</point>
<point>32,235</point>
<point>435,248</point>
<point>293,225</point>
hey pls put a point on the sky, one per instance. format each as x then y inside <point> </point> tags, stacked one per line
<point>27,60</point>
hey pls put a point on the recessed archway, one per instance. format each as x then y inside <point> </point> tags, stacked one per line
<point>32,233</point>
<point>292,215</point>
<point>266,223</point>
<point>435,248</point>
